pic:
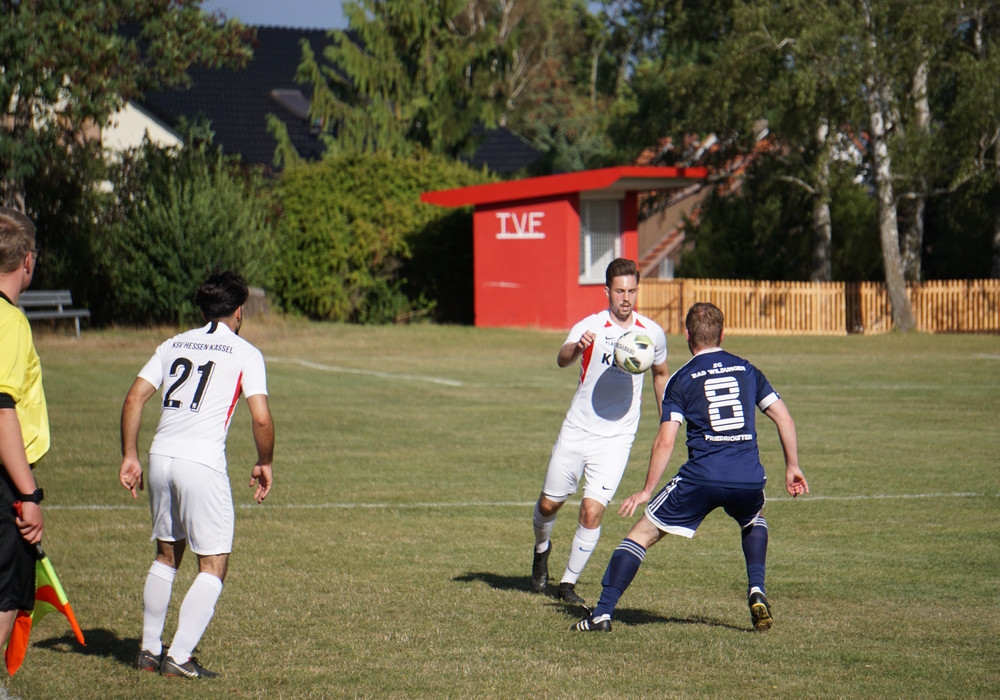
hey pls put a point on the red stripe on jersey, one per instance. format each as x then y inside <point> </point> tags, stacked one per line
<point>585,362</point>
<point>236,397</point>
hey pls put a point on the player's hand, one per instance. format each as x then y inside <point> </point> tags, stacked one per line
<point>628,507</point>
<point>261,478</point>
<point>795,482</point>
<point>29,522</point>
<point>586,340</point>
<point>130,474</point>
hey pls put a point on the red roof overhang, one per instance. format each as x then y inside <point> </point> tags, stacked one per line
<point>613,180</point>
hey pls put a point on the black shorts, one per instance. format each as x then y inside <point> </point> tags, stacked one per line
<point>17,557</point>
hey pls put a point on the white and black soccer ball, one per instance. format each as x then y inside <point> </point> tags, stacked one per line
<point>634,352</point>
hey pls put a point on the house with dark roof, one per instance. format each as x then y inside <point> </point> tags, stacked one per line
<point>236,104</point>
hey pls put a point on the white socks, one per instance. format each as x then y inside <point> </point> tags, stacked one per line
<point>155,599</point>
<point>196,612</point>
<point>584,543</point>
<point>543,529</point>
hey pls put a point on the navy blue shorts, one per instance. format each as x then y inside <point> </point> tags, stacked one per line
<point>680,506</point>
<point>17,557</point>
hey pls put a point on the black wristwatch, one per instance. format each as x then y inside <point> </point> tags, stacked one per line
<point>35,497</point>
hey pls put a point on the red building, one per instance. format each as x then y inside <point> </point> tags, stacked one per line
<point>541,245</point>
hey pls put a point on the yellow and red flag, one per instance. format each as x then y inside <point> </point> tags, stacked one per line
<point>49,596</point>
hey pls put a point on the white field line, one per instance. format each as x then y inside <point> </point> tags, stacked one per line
<point>364,372</point>
<point>523,504</point>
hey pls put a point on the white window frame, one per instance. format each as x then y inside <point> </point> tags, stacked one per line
<point>600,236</point>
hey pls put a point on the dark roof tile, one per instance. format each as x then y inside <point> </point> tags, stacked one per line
<point>237,102</point>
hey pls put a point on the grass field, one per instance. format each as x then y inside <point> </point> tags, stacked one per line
<point>392,558</point>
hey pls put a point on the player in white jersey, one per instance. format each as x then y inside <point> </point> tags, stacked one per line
<point>203,372</point>
<point>597,433</point>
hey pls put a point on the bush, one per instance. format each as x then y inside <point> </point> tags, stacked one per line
<point>348,228</point>
<point>174,217</point>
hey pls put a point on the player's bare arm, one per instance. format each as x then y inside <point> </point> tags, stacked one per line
<point>659,457</point>
<point>661,375</point>
<point>263,436</point>
<point>130,472</point>
<point>569,352</point>
<point>795,481</point>
<point>15,463</point>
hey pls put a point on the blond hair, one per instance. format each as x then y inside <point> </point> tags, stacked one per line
<point>17,238</point>
<point>704,325</point>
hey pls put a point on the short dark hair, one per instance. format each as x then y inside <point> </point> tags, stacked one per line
<point>221,294</point>
<point>704,325</point>
<point>620,267</point>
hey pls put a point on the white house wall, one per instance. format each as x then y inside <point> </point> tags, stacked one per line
<point>125,129</point>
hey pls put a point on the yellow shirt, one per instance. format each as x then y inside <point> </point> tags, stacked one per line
<point>21,378</point>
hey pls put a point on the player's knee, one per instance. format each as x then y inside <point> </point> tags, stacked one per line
<point>547,507</point>
<point>757,522</point>
<point>591,513</point>
<point>215,564</point>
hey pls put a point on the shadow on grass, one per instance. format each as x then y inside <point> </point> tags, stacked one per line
<point>501,583</point>
<point>100,642</point>
<point>634,616</point>
<point>627,616</point>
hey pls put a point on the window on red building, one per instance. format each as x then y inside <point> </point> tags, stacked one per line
<point>600,237</point>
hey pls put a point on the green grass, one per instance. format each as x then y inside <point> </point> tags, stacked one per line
<point>392,557</point>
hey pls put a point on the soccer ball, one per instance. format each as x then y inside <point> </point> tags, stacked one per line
<point>634,352</point>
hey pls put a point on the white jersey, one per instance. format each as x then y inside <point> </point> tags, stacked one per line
<point>608,399</point>
<point>202,371</point>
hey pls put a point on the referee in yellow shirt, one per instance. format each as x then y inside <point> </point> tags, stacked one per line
<point>24,422</point>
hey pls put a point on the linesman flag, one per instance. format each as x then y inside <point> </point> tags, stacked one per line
<point>49,596</point>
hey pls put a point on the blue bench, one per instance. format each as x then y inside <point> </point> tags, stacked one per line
<point>51,304</point>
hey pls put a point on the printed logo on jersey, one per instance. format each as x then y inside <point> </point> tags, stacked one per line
<point>228,349</point>
<point>612,397</point>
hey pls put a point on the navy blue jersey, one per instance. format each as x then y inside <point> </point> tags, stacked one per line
<point>716,393</point>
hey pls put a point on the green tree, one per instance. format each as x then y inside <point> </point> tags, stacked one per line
<point>763,84</point>
<point>811,74</point>
<point>408,74</point>
<point>563,92</point>
<point>968,101</point>
<point>411,74</point>
<point>68,65</point>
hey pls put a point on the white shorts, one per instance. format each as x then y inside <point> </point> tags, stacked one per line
<point>578,453</point>
<point>192,502</point>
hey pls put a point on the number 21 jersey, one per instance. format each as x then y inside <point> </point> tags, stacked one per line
<point>202,371</point>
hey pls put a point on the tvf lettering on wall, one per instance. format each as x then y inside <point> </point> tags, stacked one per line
<point>525,225</point>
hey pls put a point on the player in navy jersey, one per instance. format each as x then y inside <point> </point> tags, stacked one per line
<point>717,393</point>
<point>203,372</point>
<point>597,434</point>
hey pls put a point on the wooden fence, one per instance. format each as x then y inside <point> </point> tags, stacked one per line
<point>824,308</point>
